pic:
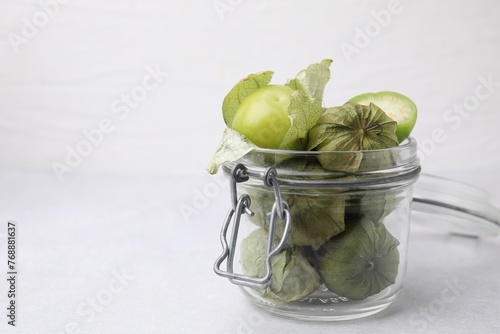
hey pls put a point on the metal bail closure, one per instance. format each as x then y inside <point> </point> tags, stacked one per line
<point>241,206</point>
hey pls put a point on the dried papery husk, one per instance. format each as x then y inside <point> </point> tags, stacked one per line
<point>350,129</point>
<point>360,262</point>
<point>293,277</point>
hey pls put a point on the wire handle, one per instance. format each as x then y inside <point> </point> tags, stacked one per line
<point>239,207</point>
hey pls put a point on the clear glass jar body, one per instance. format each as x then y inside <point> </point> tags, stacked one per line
<point>344,256</point>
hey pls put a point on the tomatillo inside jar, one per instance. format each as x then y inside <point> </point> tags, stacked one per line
<point>316,244</point>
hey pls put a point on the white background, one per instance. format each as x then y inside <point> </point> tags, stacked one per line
<point>70,72</point>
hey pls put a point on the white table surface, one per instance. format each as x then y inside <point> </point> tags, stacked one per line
<point>77,237</point>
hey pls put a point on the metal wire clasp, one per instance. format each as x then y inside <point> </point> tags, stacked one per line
<point>241,206</point>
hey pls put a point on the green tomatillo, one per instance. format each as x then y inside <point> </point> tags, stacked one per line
<point>397,106</point>
<point>263,117</point>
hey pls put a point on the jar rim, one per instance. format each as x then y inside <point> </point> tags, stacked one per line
<point>408,143</point>
<point>374,168</point>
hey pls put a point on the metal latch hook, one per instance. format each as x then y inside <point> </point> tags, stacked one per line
<point>241,206</point>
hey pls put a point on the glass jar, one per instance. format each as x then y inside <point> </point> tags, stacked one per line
<point>319,235</point>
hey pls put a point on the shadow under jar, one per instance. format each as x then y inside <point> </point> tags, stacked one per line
<point>319,235</point>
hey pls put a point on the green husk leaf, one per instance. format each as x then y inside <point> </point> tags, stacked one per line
<point>242,89</point>
<point>306,103</point>
<point>233,146</point>
<point>304,113</point>
<point>352,128</point>
<point>312,81</point>
<point>292,84</point>
<point>293,276</point>
<point>316,218</point>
